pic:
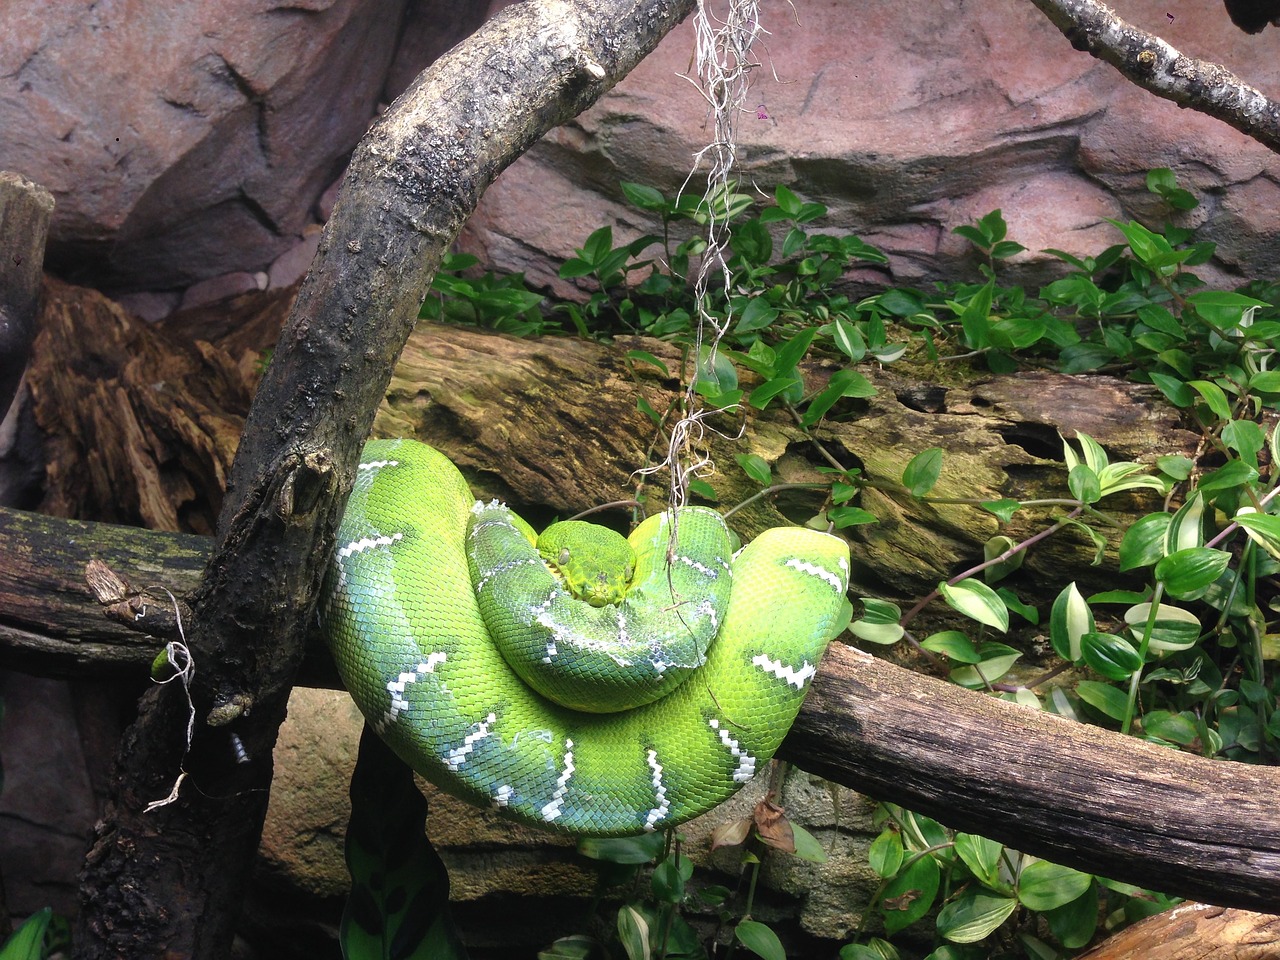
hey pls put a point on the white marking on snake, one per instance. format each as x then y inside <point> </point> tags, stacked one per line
<point>746,762</point>
<point>368,543</point>
<point>377,464</point>
<point>700,567</point>
<point>502,796</point>
<point>659,793</point>
<point>396,687</point>
<point>784,671</point>
<point>813,570</point>
<point>505,567</point>
<point>556,806</point>
<point>456,757</point>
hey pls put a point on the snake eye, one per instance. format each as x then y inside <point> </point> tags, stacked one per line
<point>564,556</point>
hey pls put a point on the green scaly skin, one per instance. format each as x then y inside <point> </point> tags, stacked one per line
<point>406,631</point>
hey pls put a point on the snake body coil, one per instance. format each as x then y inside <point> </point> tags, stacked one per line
<point>405,625</point>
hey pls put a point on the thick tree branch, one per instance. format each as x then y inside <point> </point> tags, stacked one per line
<point>168,882</point>
<point>25,211</point>
<point>1158,67</point>
<point>1072,793</point>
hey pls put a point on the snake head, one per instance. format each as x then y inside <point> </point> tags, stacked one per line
<point>595,563</point>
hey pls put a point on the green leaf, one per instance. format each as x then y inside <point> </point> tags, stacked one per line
<point>762,395</point>
<point>1175,391</point>
<point>850,516</point>
<point>807,845</point>
<point>1113,657</point>
<point>1246,438</point>
<point>1174,727</point>
<point>1233,473</point>
<point>576,947</point>
<point>643,356</point>
<point>973,916</point>
<point>976,600</point>
<point>1223,308</point>
<point>997,660</point>
<point>1069,620</point>
<point>1084,484</point>
<point>849,340</point>
<point>1262,528</point>
<point>399,901</point>
<point>1186,574</point>
<point>704,490</point>
<point>1185,529</point>
<point>876,949</point>
<point>1074,923</point>
<point>1103,697</point>
<point>626,850</point>
<point>922,471</point>
<point>1213,396</point>
<point>757,315</point>
<point>643,196</point>
<point>975,318</point>
<point>27,942</point>
<point>1143,543</point>
<point>998,546</point>
<point>952,644</point>
<point>885,853</point>
<point>1267,381</point>
<point>633,932</point>
<point>982,856</point>
<point>1004,509</point>
<point>1043,885</point>
<point>910,894</point>
<point>759,939</point>
<point>1175,629</point>
<point>755,467</point>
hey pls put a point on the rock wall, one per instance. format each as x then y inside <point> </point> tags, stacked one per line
<point>908,119</point>
<point>194,142</point>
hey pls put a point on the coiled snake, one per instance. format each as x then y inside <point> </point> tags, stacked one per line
<point>632,731</point>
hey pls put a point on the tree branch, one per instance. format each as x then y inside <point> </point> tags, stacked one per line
<point>25,211</point>
<point>1156,66</point>
<point>169,882</point>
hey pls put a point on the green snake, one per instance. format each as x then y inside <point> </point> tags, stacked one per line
<point>683,667</point>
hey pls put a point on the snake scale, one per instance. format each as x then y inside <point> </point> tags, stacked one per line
<point>682,678</point>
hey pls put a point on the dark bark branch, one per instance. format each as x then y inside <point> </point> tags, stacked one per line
<point>1068,792</point>
<point>169,882</point>
<point>1156,66</point>
<point>25,211</point>
<point>1072,793</point>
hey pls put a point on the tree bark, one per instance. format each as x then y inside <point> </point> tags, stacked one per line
<point>25,211</point>
<point>169,882</point>
<point>1158,67</point>
<point>1194,931</point>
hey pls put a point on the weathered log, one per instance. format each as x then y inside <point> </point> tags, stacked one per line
<point>1195,931</point>
<point>25,211</point>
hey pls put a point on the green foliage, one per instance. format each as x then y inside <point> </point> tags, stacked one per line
<point>973,887</point>
<point>1184,656</point>
<point>41,936</point>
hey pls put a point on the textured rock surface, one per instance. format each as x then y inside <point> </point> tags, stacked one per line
<point>191,139</point>
<point>908,120</point>
<point>195,140</point>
